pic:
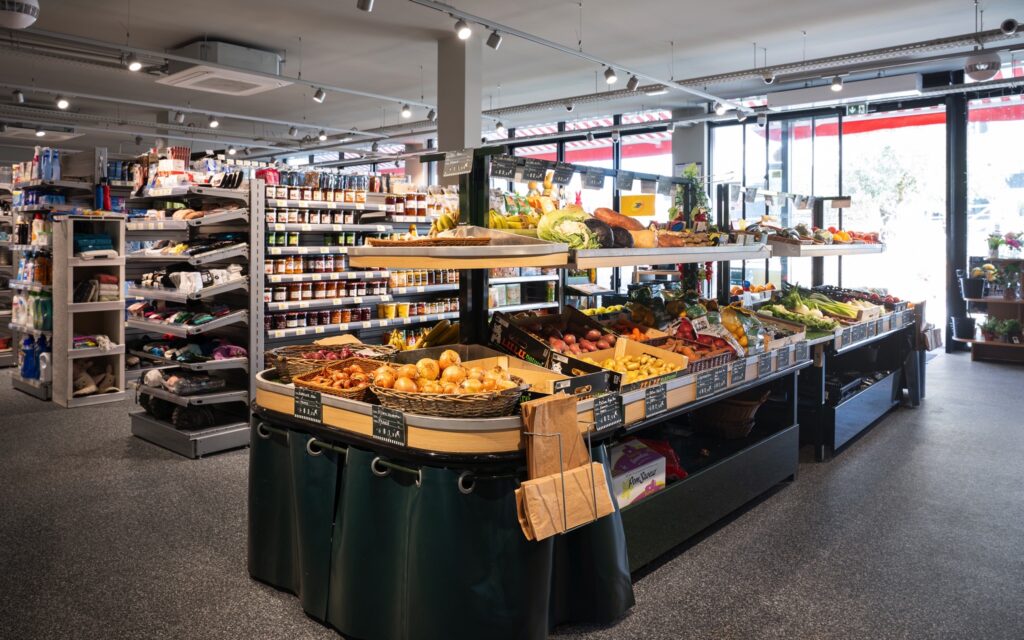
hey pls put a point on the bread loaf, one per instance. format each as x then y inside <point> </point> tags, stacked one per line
<point>643,239</point>
<point>616,219</point>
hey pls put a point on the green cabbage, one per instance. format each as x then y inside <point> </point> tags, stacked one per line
<point>568,227</point>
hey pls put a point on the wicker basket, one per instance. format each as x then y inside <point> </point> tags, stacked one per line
<point>429,242</point>
<point>732,418</point>
<point>366,366</point>
<point>468,405</point>
<point>289,361</point>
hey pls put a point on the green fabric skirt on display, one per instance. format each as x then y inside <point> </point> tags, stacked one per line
<point>402,551</point>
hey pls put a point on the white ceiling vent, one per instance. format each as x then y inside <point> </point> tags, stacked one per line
<point>215,79</point>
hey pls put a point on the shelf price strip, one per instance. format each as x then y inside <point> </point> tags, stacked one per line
<point>655,400</point>
<point>711,382</point>
<point>389,426</point>
<point>608,412</point>
<point>309,405</point>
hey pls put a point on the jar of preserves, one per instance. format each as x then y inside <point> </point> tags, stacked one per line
<point>280,293</point>
<point>312,319</point>
<point>331,289</point>
<point>307,193</point>
<point>292,320</point>
<point>328,264</point>
<point>294,292</point>
<point>307,290</point>
<point>268,266</point>
<point>280,320</point>
<point>323,317</point>
<point>271,216</point>
<point>281,266</point>
<point>389,204</point>
<point>335,316</point>
<point>346,316</point>
<point>319,290</point>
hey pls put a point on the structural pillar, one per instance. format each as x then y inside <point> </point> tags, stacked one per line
<point>689,144</point>
<point>459,93</point>
<point>415,171</point>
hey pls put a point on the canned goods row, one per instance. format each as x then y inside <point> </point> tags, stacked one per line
<point>391,310</point>
<point>300,291</point>
<point>294,265</point>
<point>324,317</point>
<point>309,216</point>
<point>423,277</point>
<point>294,239</point>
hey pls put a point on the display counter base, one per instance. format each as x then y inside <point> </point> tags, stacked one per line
<point>191,444</point>
<point>34,388</point>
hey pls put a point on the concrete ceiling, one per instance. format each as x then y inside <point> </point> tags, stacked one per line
<point>382,52</point>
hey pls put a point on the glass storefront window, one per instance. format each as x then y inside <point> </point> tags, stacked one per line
<point>995,171</point>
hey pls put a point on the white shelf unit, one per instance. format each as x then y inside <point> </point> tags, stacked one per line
<point>96,317</point>
<point>8,356</point>
<point>242,325</point>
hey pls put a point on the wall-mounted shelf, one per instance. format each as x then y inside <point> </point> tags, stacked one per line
<point>173,295</point>
<point>592,258</point>
<point>354,326</point>
<point>279,278</point>
<point>790,250</point>
<point>186,330</point>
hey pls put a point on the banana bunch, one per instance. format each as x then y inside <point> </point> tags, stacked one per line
<point>442,333</point>
<point>520,221</point>
<point>445,222</point>
<point>397,340</point>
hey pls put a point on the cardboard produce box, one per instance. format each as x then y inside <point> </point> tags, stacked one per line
<point>626,347</point>
<point>637,472</point>
<point>799,332</point>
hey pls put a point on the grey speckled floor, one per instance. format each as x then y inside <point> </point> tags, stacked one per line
<point>914,532</point>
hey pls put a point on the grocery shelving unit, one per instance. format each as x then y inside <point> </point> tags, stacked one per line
<point>7,357</point>
<point>997,306</point>
<point>242,324</point>
<point>72,318</point>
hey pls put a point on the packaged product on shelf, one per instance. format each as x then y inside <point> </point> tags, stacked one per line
<point>637,471</point>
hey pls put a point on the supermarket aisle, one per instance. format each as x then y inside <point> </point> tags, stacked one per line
<point>912,532</point>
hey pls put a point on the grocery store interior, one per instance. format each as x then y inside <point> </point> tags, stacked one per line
<point>410,319</point>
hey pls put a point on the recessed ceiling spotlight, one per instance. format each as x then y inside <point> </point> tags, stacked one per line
<point>569,106</point>
<point>179,117</point>
<point>837,83</point>
<point>19,97</point>
<point>494,40</point>
<point>62,103</point>
<point>462,29</point>
<point>406,111</point>
<point>432,115</point>
<point>293,131</point>
<point>364,5</point>
<point>133,63</point>
<point>609,76</point>
<point>320,95</point>
<point>213,122</point>
<point>232,151</point>
<point>322,136</point>
<point>633,83</point>
<point>720,108</point>
<point>39,132</point>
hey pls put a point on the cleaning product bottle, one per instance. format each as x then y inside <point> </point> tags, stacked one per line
<point>44,367</point>
<point>28,360</point>
<point>38,225</point>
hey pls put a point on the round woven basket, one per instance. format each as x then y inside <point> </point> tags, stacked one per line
<point>289,361</point>
<point>366,366</point>
<point>467,405</point>
<point>732,418</point>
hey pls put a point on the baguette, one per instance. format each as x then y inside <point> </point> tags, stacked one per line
<point>616,219</point>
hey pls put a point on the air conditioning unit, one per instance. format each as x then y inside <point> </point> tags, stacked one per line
<point>237,81</point>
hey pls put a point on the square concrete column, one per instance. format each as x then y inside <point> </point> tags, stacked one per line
<point>415,171</point>
<point>689,144</point>
<point>459,92</point>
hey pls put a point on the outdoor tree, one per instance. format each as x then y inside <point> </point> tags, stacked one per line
<point>884,182</point>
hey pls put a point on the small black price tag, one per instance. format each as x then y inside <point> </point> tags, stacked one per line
<point>309,405</point>
<point>503,167</point>
<point>801,351</point>
<point>389,426</point>
<point>847,336</point>
<point>711,382</point>
<point>878,327</point>
<point>859,332</point>
<point>664,187</point>
<point>655,400</point>
<point>624,180</point>
<point>457,163</point>
<point>908,317</point>
<point>782,357</point>
<point>593,179</point>
<point>535,170</point>
<point>764,364</point>
<point>739,371</point>
<point>608,412</point>
<point>869,328</point>
<point>648,186</point>
<point>563,173</point>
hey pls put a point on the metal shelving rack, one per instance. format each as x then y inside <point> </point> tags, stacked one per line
<point>7,358</point>
<point>244,324</point>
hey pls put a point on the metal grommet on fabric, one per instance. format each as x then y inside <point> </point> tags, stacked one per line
<point>261,431</point>
<point>311,449</point>
<point>466,487</point>
<point>383,472</point>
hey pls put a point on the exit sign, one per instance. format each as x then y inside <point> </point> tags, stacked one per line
<point>857,109</point>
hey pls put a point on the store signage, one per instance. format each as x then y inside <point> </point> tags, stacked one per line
<point>739,371</point>
<point>309,405</point>
<point>389,426</point>
<point>624,180</point>
<point>563,173</point>
<point>665,187</point>
<point>457,163</point>
<point>655,400</point>
<point>711,382</point>
<point>860,109</point>
<point>859,332</point>
<point>503,167</point>
<point>847,337</point>
<point>782,357</point>
<point>801,351</point>
<point>593,179</point>
<point>535,170</point>
<point>608,412</point>
<point>648,186</point>
<point>869,328</point>
<point>764,364</point>
<point>878,327</point>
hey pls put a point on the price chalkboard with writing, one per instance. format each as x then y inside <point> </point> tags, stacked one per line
<point>764,364</point>
<point>624,180</point>
<point>878,327</point>
<point>739,371</point>
<point>664,187</point>
<point>593,179</point>
<point>563,173</point>
<point>847,336</point>
<point>503,167</point>
<point>309,405</point>
<point>457,163</point>
<point>389,426</point>
<point>535,170</point>
<point>782,357</point>
<point>608,412</point>
<point>859,332</point>
<point>801,351</point>
<point>655,400</point>
<point>711,382</point>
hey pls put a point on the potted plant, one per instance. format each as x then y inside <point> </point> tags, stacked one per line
<point>1009,277</point>
<point>990,328</point>
<point>995,240</point>
<point>1013,240</point>
<point>1011,331</point>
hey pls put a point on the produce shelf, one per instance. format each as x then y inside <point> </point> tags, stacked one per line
<point>193,190</point>
<point>412,219</point>
<point>94,262</point>
<point>185,330</point>
<point>44,208</point>
<point>278,226</point>
<point>217,397</point>
<point>323,204</point>
<point>173,295</point>
<point>790,250</point>
<point>179,225</point>
<point>96,398</point>
<point>591,258</point>
<point>209,365</point>
<point>218,255</point>
<point>277,334</point>
<point>106,305</point>
<point>191,444</point>
<point>278,278</point>
<point>505,249</point>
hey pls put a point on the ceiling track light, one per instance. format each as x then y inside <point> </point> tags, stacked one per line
<point>62,103</point>
<point>293,131</point>
<point>633,83</point>
<point>232,151</point>
<point>432,115</point>
<point>133,63</point>
<point>213,122</point>
<point>657,91</point>
<point>320,95</point>
<point>3,127</point>
<point>590,136</point>
<point>364,5</point>
<point>245,151</point>
<point>374,147</point>
<point>500,128</point>
<point>138,140</point>
<point>494,40</point>
<point>837,83</point>
<point>671,127</point>
<point>462,29</point>
<point>609,76</point>
<point>19,97</point>
<point>740,116</point>
<point>322,136</point>
<point>179,117</point>
<point>720,108</point>
<point>39,132</point>
<point>406,111</point>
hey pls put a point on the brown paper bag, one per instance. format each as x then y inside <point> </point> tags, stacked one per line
<point>539,502</point>
<point>544,418</point>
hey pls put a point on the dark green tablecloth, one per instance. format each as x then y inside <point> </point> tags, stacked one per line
<point>411,557</point>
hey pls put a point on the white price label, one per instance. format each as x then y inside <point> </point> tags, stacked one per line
<point>367,324</point>
<point>300,332</point>
<point>307,227</point>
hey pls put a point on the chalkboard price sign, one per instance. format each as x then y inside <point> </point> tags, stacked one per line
<point>535,170</point>
<point>664,187</point>
<point>624,180</point>
<point>859,332</point>
<point>593,179</point>
<point>608,412</point>
<point>389,426</point>
<point>563,173</point>
<point>782,357</point>
<point>655,400</point>
<point>764,364</point>
<point>739,371</point>
<point>878,327</point>
<point>801,351</point>
<point>457,163</point>
<point>309,405</point>
<point>847,336</point>
<point>503,167</point>
<point>711,382</point>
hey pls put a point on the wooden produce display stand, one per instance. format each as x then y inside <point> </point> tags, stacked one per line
<point>1002,308</point>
